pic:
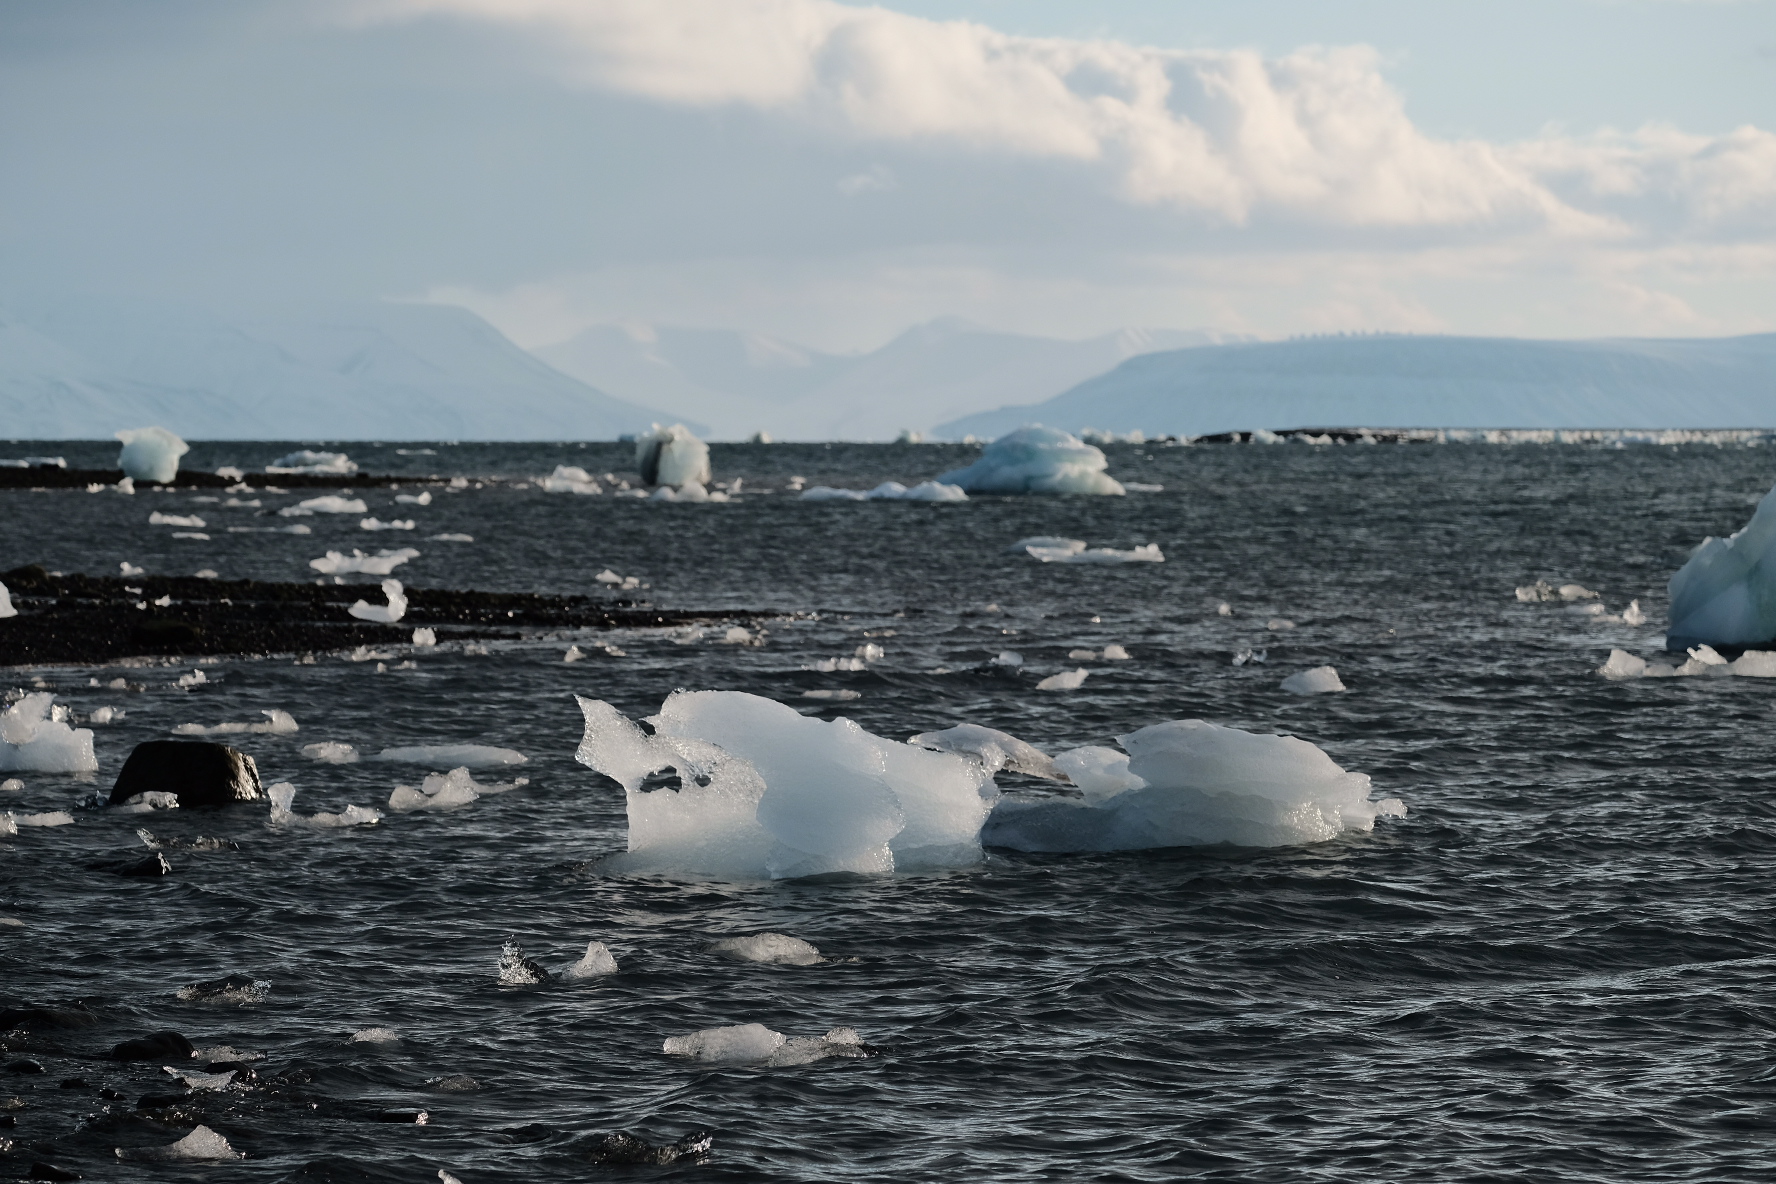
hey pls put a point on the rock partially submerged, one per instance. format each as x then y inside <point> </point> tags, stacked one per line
<point>197,772</point>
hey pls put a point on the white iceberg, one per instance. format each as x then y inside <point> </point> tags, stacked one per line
<point>308,461</point>
<point>6,609</point>
<point>596,962</point>
<point>1703,661</point>
<point>672,456</point>
<point>1036,459</point>
<point>472,756</point>
<point>768,792</point>
<point>569,479</point>
<point>1202,784</point>
<point>1726,593</point>
<point>388,614</point>
<point>191,521</point>
<point>892,491</point>
<point>1320,680</point>
<point>376,1036</point>
<point>330,504</point>
<point>277,723</point>
<point>35,737</point>
<point>775,949</point>
<point>150,454</point>
<point>47,818</point>
<point>337,563</point>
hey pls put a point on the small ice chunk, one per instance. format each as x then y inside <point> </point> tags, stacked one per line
<point>569,479</point>
<point>1223,609</point>
<point>574,654</point>
<point>1279,624</point>
<point>192,521</point>
<point>1755,664</point>
<point>11,785</point>
<point>870,652</point>
<point>308,461</point>
<point>1623,665</point>
<point>148,802</point>
<point>331,752</point>
<point>6,609</point>
<point>452,538</point>
<point>607,576</point>
<point>150,454</point>
<point>201,1081</point>
<point>375,1036</point>
<point>282,795</point>
<point>1572,592</point>
<point>47,818</point>
<point>596,962</point>
<point>1036,459</point>
<point>1067,680</point>
<point>35,737</point>
<point>277,723</point>
<point>423,637</point>
<point>1008,658</point>
<point>473,756</point>
<point>207,573</point>
<point>1083,655</point>
<point>1321,680</point>
<point>1101,556</point>
<point>772,948</point>
<point>836,695</point>
<point>736,1044</point>
<point>196,678</point>
<point>1633,614</point>
<point>130,570</point>
<point>1100,773</point>
<point>380,564</point>
<point>515,970</point>
<point>202,1144</point>
<point>388,614</point>
<point>738,635</point>
<point>392,524</point>
<point>1115,653</point>
<point>415,499</point>
<point>994,749</point>
<point>331,503</point>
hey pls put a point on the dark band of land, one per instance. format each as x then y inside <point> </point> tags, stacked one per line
<point>52,477</point>
<point>90,620</point>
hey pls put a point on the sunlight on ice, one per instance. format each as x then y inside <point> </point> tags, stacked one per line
<point>35,737</point>
<point>150,454</point>
<point>778,949</point>
<point>1036,459</point>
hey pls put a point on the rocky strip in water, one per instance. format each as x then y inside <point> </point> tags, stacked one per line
<point>52,477</point>
<point>88,620</point>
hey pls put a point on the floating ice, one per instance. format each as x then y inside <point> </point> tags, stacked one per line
<point>1542,592</point>
<point>298,528</point>
<point>375,1036</point>
<point>838,695</point>
<point>447,791</point>
<point>307,461</point>
<point>283,794</point>
<point>1632,615</point>
<point>892,491</point>
<point>1100,773</point>
<point>35,462</point>
<point>1047,542</point>
<point>1623,665</point>
<point>596,962</point>
<point>126,486</point>
<point>35,737</point>
<point>331,752</point>
<point>1703,660</point>
<point>11,785</point>
<point>191,520</point>
<point>672,456</point>
<point>1204,784</point>
<point>828,665</point>
<point>130,570</point>
<point>1067,680</point>
<point>1256,657</point>
<point>6,609</point>
<point>201,1081</point>
<point>148,802</point>
<point>569,479</point>
<point>423,498</point>
<point>994,749</point>
<point>1094,436</point>
<point>1279,624</point>
<point>1036,459</point>
<point>472,756</point>
<point>1007,658</point>
<point>423,637</point>
<point>1726,593</point>
<point>772,948</point>
<point>388,614</point>
<point>515,970</point>
<point>755,1043</point>
<point>869,651</point>
<point>150,454</point>
<point>200,1145</point>
<point>196,678</point>
<point>47,818</point>
<point>1115,653</point>
<point>392,524</point>
<point>768,792</point>
<point>451,538</point>
<point>337,563</point>
<point>332,503</point>
<point>690,491</point>
<point>277,723</point>
<point>1149,553</point>
<point>1320,680</point>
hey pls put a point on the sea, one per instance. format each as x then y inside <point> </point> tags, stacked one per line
<point>1559,965</point>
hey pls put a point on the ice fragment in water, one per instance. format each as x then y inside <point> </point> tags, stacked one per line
<point>596,962</point>
<point>379,564</point>
<point>1632,615</point>
<point>473,756</point>
<point>34,737</point>
<point>1036,459</point>
<point>892,491</point>
<point>424,637</point>
<point>148,802</point>
<point>1008,658</point>
<point>1622,665</point>
<point>375,1036</point>
<point>515,970</point>
<point>415,499</point>
<point>569,479</point>
<point>1149,553</point>
<point>190,520</point>
<point>332,503</point>
<point>47,818</point>
<point>1204,784</point>
<point>1067,680</point>
<point>871,652</point>
<point>1279,624</point>
<point>150,454</point>
<point>574,654</point>
<point>202,1144</point>
<point>838,695</point>
<point>994,749</point>
<point>11,785</point>
<point>1115,653</point>
<point>277,723</point>
<point>388,614</point>
<point>331,752</point>
<point>6,609</point>
<point>672,457</point>
<point>739,1043</point>
<point>768,792</point>
<point>773,948</point>
<point>308,461</point>
<point>1047,542</point>
<point>452,538</point>
<point>392,524</point>
<point>1320,680</point>
<point>1099,772</point>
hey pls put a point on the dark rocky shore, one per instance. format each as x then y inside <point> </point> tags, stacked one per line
<point>74,618</point>
<point>52,477</point>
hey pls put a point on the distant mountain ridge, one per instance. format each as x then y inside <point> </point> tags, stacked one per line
<point>77,369</point>
<point>741,383</point>
<point>1434,382</point>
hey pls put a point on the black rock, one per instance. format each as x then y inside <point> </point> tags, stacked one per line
<point>74,1083</point>
<point>37,1019</point>
<point>23,1065</point>
<point>8,1121</point>
<point>154,864</point>
<point>49,1171</point>
<point>228,984</point>
<point>161,1101</point>
<point>159,1046</point>
<point>111,1095</point>
<point>623,1147</point>
<point>199,772</point>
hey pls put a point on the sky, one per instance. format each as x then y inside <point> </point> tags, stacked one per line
<point>833,173</point>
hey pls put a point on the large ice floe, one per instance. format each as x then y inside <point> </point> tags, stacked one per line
<point>1036,459</point>
<point>35,737</point>
<point>1703,660</point>
<point>1051,548</point>
<point>756,1044</point>
<point>766,792</point>
<point>1186,783</point>
<point>672,456</point>
<point>150,454</point>
<point>330,503</point>
<point>1726,593</point>
<point>889,491</point>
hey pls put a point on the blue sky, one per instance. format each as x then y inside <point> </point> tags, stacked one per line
<point>832,173</point>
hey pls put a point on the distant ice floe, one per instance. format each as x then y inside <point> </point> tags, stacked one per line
<point>894,491</point>
<point>47,818</point>
<point>35,737</point>
<point>35,462</point>
<point>615,581</point>
<point>473,756</point>
<point>451,538</point>
<point>1054,549</point>
<point>331,752</point>
<point>1192,783</point>
<point>672,457</point>
<point>191,521</point>
<point>1580,601</point>
<point>337,563</point>
<point>1321,680</point>
<point>277,723</point>
<point>308,461</point>
<point>757,1044</point>
<point>200,1146</point>
<point>1067,680</point>
<point>1094,436</point>
<point>147,802</point>
<point>6,608</point>
<point>330,504</point>
<point>1110,653</point>
<point>283,794</point>
<point>447,791</point>
<point>298,528</point>
<point>569,479</point>
<point>833,694</point>
<point>150,454</point>
<point>1703,660</point>
<point>423,498</point>
<point>690,492</point>
<point>776,949</point>
<point>1036,459</point>
<point>386,614</point>
<point>392,524</point>
<point>767,792</point>
<point>376,1036</point>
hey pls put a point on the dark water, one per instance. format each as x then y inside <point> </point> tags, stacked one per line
<point>1558,966</point>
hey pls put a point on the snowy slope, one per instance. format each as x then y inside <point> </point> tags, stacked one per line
<point>1417,382</point>
<point>740,383</point>
<point>84,368</point>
